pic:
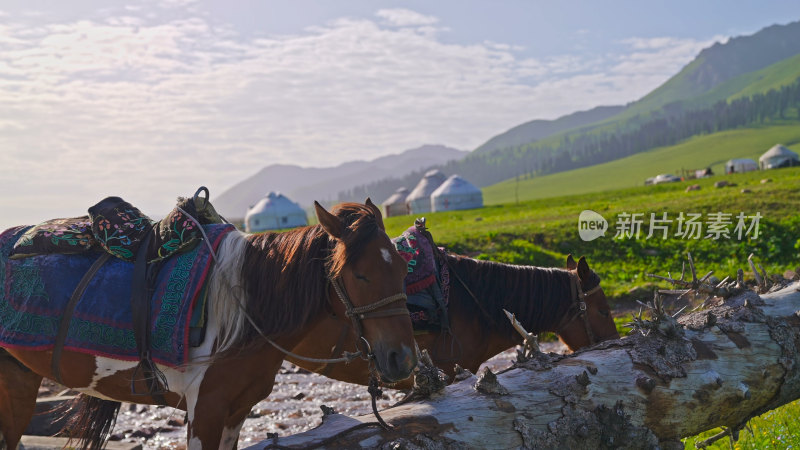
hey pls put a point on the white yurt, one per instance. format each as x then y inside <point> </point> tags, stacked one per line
<point>274,212</point>
<point>740,165</point>
<point>419,200</point>
<point>778,156</point>
<point>456,193</point>
<point>395,205</point>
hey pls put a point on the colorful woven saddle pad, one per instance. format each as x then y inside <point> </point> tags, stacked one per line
<point>119,228</point>
<point>427,284</point>
<point>34,292</point>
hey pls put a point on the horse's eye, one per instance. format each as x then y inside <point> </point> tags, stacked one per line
<point>603,313</point>
<point>361,277</point>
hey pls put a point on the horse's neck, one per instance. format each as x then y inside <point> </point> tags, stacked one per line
<point>534,295</point>
<point>247,282</point>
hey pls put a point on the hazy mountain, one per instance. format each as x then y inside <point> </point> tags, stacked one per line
<point>540,129</point>
<point>304,185</point>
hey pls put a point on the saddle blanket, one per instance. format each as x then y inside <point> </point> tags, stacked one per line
<point>34,292</point>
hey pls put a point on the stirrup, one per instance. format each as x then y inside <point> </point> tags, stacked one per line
<point>154,380</point>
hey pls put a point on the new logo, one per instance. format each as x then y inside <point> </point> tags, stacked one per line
<point>591,225</point>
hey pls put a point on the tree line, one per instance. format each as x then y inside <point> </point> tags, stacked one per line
<point>668,126</point>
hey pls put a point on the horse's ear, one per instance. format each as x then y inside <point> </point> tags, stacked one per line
<point>571,264</point>
<point>330,223</point>
<point>583,269</point>
<point>375,212</point>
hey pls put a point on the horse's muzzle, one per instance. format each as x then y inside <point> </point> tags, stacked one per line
<point>395,364</point>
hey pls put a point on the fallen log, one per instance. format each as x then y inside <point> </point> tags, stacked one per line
<point>676,378</point>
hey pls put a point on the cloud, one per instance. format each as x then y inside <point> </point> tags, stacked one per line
<point>405,17</point>
<point>151,108</point>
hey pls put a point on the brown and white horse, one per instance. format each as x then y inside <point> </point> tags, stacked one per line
<point>568,302</point>
<point>271,285</point>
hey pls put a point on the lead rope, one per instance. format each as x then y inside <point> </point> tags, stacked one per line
<point>375,392</point>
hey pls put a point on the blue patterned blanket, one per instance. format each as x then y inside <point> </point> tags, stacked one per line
<point>34,292</point>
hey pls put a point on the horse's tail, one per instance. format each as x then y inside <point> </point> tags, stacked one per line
<point>90,421</point>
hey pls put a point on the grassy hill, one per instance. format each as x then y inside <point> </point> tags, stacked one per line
<point>720,63</point>
<point>772,77</point>
<point>743,66</point>
<point>696,153</point>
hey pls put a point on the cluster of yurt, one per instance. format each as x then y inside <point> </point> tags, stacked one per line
<point>273,212</point>
<point>419,200</point>
<point>395,205</point>
<point>778,156</point>
<point>435,192</point>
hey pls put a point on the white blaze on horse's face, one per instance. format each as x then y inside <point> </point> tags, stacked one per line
<point>387,255</point>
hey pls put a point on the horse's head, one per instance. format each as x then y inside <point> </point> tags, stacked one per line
<point>367,274</point>
<point>589,321</point>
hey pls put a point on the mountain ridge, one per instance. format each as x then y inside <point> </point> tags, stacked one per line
<point>293,180</point>
<point>537,129</point>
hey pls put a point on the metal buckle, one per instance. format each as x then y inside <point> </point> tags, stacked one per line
<point>368,354</point>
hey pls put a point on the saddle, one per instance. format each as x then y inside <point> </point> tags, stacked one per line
<point>118,229</point>
<point>427,284</point>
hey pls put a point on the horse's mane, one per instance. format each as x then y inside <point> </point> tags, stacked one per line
<point>537,296</point>
<point>281,278</point>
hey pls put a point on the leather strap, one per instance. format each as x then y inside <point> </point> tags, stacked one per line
<point>141,289</point>
<point>383,313</point>
<point>337,349</point>
<point>63,326</point>
<point>140,302</point>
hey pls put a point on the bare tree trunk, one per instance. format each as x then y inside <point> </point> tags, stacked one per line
<point>717,367</point>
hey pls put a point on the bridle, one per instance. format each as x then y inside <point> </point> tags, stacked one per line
<point>357,314</point>
<point>578,308</point>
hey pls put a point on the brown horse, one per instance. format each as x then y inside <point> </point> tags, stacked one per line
<point>274,286</point>
<point>569,302</point>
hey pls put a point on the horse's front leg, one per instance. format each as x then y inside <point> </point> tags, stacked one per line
<point>211,427</point>
<point>212,432</point>
<point>218,409</point>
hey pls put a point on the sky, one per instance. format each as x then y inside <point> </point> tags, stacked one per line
<point>148,100</point>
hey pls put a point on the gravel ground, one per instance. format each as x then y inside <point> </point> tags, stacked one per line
<point>293,407</point>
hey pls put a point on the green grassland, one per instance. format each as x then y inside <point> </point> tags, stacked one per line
<point>541,232</point>
<point>776,429</point>
<point>696,153</point>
